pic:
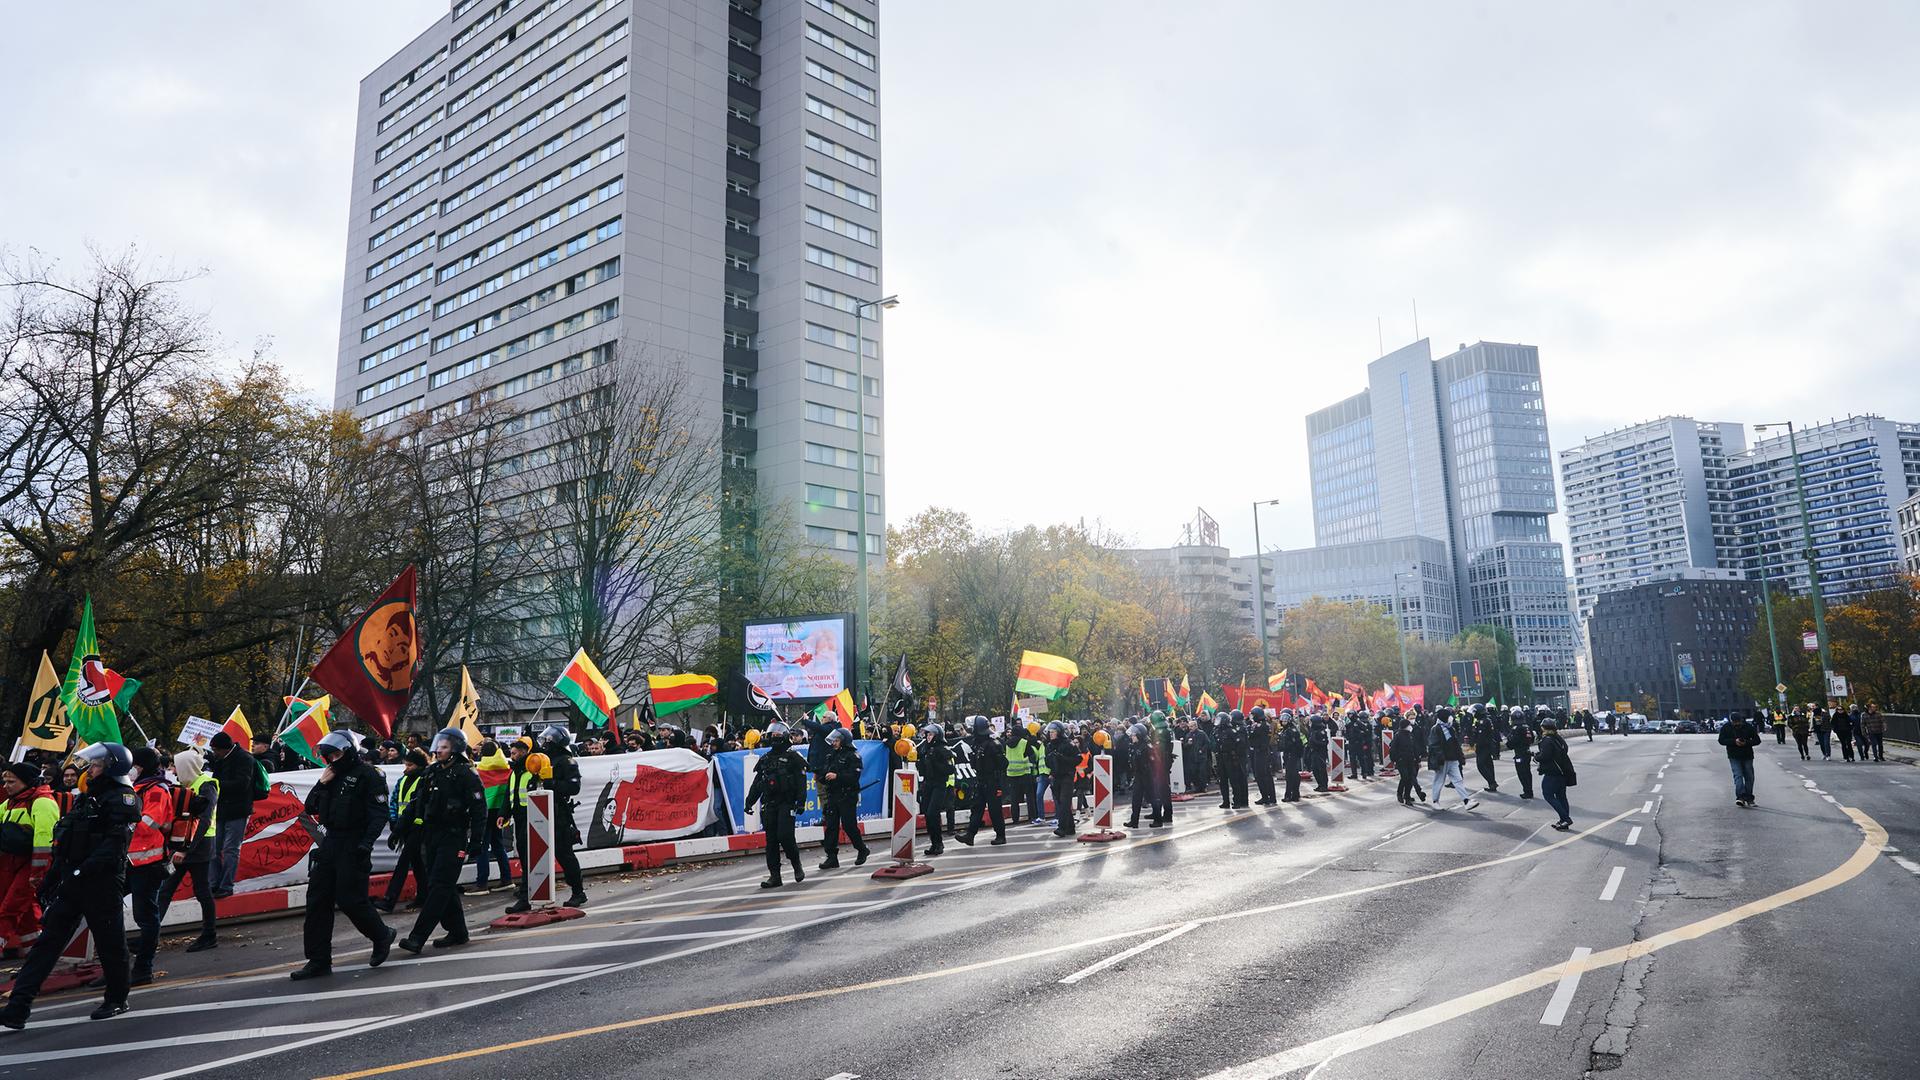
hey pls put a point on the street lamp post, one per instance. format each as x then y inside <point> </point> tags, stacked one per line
<point>1773,643</point>
<point>1259,588</point>
<point>1813,562</point>
<point>862,637</point>
<point>1400,631</point>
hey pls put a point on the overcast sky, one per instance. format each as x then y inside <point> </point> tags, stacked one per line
<point>1137,242</point>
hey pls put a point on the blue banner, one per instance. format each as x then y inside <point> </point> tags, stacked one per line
<point>736,776</point>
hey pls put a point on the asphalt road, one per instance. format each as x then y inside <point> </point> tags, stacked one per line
<point>1672,934</point>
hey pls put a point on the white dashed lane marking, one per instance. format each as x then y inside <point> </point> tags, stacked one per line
<point>1563,994</point>
<point>1613,883</point>
<point>1633,836</point>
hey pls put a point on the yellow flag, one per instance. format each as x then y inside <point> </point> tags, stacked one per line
<point>466,712</point>
<point>46,726</point>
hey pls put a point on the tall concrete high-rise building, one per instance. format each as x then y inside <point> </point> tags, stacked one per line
<point>1456,449</point>
<point>1646,501</point>
<point>536,182</point>
<point>1857,472</point>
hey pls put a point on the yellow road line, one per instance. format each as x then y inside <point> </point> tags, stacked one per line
<point>1374,1034</point>
<point>940,973</point>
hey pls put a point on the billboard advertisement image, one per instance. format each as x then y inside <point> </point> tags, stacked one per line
<point>803,659</point>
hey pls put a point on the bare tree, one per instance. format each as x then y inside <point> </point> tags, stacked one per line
<point>630,467</point>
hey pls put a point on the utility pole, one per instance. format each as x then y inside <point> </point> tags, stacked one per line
<point>1813,561</point>
<point>863,634</point>
<point>1766,601</point>
<point>1259,589</point>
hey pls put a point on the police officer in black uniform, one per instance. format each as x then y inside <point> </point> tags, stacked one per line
<point>1260,753</point>
<point>1486,746</point>
<point>1520,741</point>
<point>1230,755</point>
<point>1317,741</point>
<point>936,768</point>
<point>989,759</point>
<point>1062,759</point>
<point>779,788</point>
<point>349,803</point>
<point>1293,751</point>
<point>557,743</point>
<point>840,799</point>
<point>1140,761</point>
<point>453,822</point>
<point>84,882</point>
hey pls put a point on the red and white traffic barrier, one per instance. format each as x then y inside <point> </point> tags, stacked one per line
<point>538,866</point>
<point>1386,753</point>
<point>906,815</point>
<point>1103,830</point>
<point>1337,763</point>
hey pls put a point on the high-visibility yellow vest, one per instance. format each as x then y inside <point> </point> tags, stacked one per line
<point>517,791</point>
<point>408,783</point>
<point>1019,760</point>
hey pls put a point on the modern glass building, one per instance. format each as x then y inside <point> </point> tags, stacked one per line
<point>1456,450</point>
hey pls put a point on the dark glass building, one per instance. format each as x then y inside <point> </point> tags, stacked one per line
<point>1680,641</point>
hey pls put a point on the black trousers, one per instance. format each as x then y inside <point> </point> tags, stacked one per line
<point>986,805</point>
<point>338,879</point>
<point>1365,758</point>
<point>411,862</point>
<point>1290,765</point>
<point>201,871</point>
<point>1233,782</point>
<point>1800,740</point>
<point>1523,768</point>
<point>838,813</point>
<point>1263,774</point>
<point>1846,744</point>
<point>441,903</point>
<point>520,849</point>
<point>1142,796</point>
<point>1163,794</point>
<point>95,902</point>
<point>1409,781</point>
<point>778,823</point>
<point>934,797</point>
<point>1319,766</point>
<point>1484,762</point>
<point>566,837</point>
<point>143,888</point>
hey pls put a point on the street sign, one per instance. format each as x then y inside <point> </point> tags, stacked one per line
<point>1836,685</point>
<point>1810,641</point>
<point>1467,684</point>
<point>1779,688</point>
<point>1623,707</point>
<point>1913,664</point>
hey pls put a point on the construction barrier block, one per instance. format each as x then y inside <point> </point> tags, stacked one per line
<point>63,978</point>
<point>539,917</point>
<point>1103,836</point>
<point>899,871</point>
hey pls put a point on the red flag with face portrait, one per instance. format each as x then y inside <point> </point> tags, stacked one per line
<point>370,669</point>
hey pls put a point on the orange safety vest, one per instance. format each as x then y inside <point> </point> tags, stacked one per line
<point>149,844</point>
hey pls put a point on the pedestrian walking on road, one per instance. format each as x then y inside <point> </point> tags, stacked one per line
<point>190,844</point>
<point>1520,741</point>
<point>779,788</point>
<point>1486,747</point>
<point>840,800</point>
<point>1873,725</point>
<point>1739,738</point>
<point>989,780</point>
<point>1823,731</point>
<point>1556,773</point>
<point>453,825</point>
<point>1797,724</point>
<point>1406,750</point>
<point>84,884</point>
<point>1843,729</point>
<point>350,804</point>
<point>1445,757</point>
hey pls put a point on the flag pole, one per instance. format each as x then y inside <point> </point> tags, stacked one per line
<point>287,712</point>
<point>148,739</point>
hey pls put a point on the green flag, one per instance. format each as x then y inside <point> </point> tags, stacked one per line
<point>94,695</point>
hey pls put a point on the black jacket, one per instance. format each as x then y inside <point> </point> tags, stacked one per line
<point>844,764</point>
<point>1443,745</point>
<point>235,772</point>
<point>351,808</point>
<point>1062,759</point>
<point>989,760</point>
<point>780,781</point>
<point>453,806</point>
<point>1550,754</point>
<point>565,782</point>
<point>936,764</point>
<point>90,843</point>
<point>1739,738</point>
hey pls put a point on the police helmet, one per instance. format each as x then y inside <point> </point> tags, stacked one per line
<point>934,732</point>
<point>1259,714</point>
<point>452,739</point>
<point>839,737</point>
<point>1138,731</point>
<point>117,761</point>
<point>1054,729</point>
<point>777,730</point>
<point>982,727</point>
<point>1287,715</point>
<point>1238,717</point>
<point>555,739</point>
<point>340,743</point>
